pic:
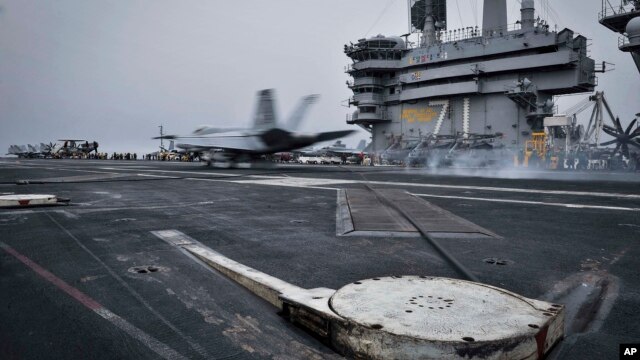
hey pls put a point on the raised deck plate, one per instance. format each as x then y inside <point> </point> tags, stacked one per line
<point>362,212</point>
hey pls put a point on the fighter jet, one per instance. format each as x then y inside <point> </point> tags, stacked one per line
<point>266,137</point>
<point>338,148</point>
<point>35,152</point>
<point>29,151</point>
<point>19,151</point>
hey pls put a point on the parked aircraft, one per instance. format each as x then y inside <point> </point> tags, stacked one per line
<point>398,152</point>
<point>49,149</point>
<point>32,151</point>
<point>266,137</point>
<point>338,148</point>
<point>178,153</point>
<point>28,151</point>
<point>72,147</point>
<point>19,151</point>
<point>439,150</point>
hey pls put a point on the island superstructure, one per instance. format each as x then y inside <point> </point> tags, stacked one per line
<point>499,80</point>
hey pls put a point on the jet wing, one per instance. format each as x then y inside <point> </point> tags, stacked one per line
<point>333,135</point>
<point>233,143</point>
<point>207,130</point>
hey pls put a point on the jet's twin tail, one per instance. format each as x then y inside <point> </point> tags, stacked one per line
<point>266,117</point>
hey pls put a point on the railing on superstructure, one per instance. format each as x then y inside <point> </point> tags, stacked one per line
<point>367,81</point>
<point>624,44</point>
<point>476,34</point>
<point>444,37</point>
<point>625,6</point>
<point>458,34</point>
<point>349,68</point>
<point>358,54</point>
<point>378,115</point>
<point>623,41</point>
<point>356,99</point>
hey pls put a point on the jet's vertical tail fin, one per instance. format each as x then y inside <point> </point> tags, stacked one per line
<point>265,117</point>
<point>362,145</point>
<point>301,110</point>
<point>171,145</point>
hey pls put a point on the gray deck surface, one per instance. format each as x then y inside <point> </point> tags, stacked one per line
<point>564,238</point>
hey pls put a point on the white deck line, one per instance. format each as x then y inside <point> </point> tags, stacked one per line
<point>516,190</point>
<point>525,202</point>
<point>323,181</point>
<point>170,171</point>
<point>302,181</point>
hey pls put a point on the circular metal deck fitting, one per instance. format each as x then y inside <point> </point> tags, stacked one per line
<point>426,317</point>
<point>27,200</point>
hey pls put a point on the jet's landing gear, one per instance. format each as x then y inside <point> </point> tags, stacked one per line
<point>237,161</point>
<point>218,159</point>
<point>247,164</point>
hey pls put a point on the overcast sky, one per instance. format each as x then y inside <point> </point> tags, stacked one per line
<point>112,71</point>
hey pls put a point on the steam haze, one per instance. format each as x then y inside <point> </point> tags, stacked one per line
<point>112,71</point>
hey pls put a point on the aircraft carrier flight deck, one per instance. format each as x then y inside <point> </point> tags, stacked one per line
<point>112,272</point>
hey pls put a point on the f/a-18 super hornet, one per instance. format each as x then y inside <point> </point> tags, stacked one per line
<point>20,151</point>
<point>338,148</point>
<point>32,151</point>
<point>337,153</point>
<point>264,138</point>
<point>76,147</point>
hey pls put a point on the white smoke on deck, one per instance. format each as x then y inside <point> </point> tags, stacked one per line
<point>501,164</point>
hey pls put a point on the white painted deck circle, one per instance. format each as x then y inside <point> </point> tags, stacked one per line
<point>27,200</point>
<point>439,309</point>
